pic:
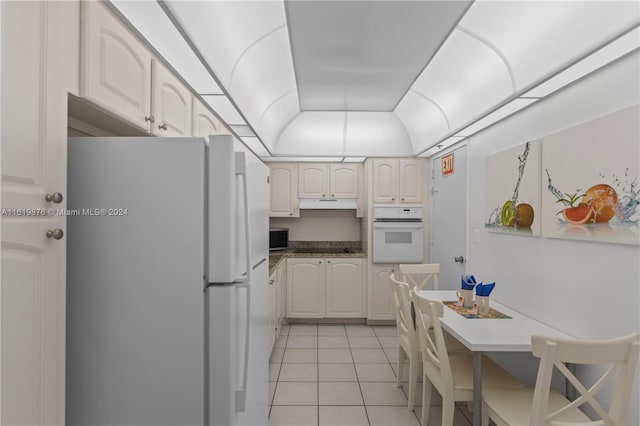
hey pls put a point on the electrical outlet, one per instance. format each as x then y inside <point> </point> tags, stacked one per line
<point>476,236</point>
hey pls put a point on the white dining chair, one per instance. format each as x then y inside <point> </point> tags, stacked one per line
<point>407,342</point>
<point>545,406</point>
<point>419,276</point>
<point>425,272</point>
<point>450,373</point>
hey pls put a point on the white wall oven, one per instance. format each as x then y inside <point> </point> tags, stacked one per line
<point>397,234</point>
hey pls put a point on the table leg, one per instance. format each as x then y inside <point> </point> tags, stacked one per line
<point>477,388</point>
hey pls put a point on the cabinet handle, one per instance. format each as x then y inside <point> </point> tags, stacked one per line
<point>56,197</point>
<point>323,195</point>
<point>393,199</point>
<point>333,195</point>
<point>319,262</point>
<point>150,119</point>
<point>328,261</point>
<point>271,282</point>
<point>56,234</point>
<point>163,126</point>
<point>402,198</point>
<point>290,214</point>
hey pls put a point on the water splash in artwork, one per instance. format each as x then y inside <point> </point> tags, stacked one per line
<point>628,195</point>
<point>496,216</point>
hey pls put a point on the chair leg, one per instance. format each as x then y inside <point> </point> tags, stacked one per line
<point>400,366</point>
<point>448,407</point>
<point>426,401</point>
<point>485,415</point>
<point>413,381</point>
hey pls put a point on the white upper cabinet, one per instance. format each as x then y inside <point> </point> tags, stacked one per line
<point>204,122</point>
<point>171,104</point>
<point>343,180</point>
<point>284,190</point>
<point>313,180</point>
<point>410,180</point>
<point>385,181</point>
<point>397,180</point>
<point>334,180</point>
<point>115,67</point>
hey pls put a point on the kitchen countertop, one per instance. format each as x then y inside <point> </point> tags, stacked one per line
<point>299,249</point>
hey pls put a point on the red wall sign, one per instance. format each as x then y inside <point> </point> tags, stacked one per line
<point>447,164</point>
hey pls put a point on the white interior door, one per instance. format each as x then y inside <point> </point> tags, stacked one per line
<point>448,228</point>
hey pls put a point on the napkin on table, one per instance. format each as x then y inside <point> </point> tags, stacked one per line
<point>468,282</point>
<point>484,289</point>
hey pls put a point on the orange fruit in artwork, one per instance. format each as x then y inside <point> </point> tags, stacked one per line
<point>603,200</point>
<point>524,215</point>
<point>578,215</point>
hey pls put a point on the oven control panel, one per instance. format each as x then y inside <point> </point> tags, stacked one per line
<point>397,212</point>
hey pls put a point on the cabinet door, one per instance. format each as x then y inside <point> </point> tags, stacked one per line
<point>281,282</point>
<point>344,288</point>
<point>380,294</point>
<point>385,184</point>
<point>305,288</point>
<point>37,75</point>
<point>283,190</point>
<point>343,180</point>
<point>313,181</point>
<point>171,104</point>
<point>273,298</point>
<point>115,67</point>
<point>410,180</point>
<point>204,122</point>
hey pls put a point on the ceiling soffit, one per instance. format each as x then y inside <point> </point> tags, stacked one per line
<point>364,55</point>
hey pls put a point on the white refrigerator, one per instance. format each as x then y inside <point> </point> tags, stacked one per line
<point>167,269</point>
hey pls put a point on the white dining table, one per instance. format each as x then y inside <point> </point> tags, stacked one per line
<point>489,335</point>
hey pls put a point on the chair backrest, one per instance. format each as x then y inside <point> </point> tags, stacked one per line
<point>620,356</point>
<point>435,358</point>
<point>402,307</point>
<point>425,272</point>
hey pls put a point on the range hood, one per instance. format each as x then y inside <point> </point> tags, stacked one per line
<point>328,204</point>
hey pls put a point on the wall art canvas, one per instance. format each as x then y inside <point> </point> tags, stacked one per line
<point>513,190</point>
<point>590,180</point>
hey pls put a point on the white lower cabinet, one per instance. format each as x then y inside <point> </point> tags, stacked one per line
<point>277,294</point>
<point>344,288</point>
<point>325,288</point>
<point>305,288</point>
<point>281,287</point>
<point>380,302</point>
<point>273,309</point>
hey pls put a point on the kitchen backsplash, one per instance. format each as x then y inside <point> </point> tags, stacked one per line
<point>321,225</point>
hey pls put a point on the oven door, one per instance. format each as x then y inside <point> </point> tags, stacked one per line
<point>397,242</point>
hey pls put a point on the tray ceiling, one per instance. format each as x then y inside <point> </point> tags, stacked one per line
<point>379,78</point>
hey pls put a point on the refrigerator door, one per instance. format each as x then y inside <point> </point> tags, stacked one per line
<point>238,362</point>
<point>135,305</point>
<point>238,211</point>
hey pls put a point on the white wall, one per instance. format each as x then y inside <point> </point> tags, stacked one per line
<point>588,290</point>
<point>321,225</point>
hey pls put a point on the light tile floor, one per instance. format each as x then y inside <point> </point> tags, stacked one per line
<point>343,375</point>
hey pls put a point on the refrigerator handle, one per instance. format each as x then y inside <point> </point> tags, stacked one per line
<point>241,392</point>
<point>241,169</point>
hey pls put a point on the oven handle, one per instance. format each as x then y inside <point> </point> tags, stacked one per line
<point>397,225</point>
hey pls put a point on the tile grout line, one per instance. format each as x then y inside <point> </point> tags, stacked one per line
<point>353,359</point>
